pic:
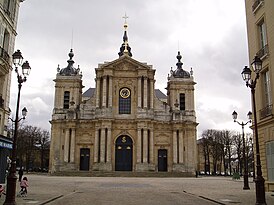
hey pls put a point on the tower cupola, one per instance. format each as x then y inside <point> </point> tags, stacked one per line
<point>180,72</point>
<point>69,70</point>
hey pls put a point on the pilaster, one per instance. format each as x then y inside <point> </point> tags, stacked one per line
<point>145,92</point>
<point>72,145</point>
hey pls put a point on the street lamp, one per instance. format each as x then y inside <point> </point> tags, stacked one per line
<point>253,163</point>
<point>234,115</point>
<point>246,74</point>
<point>21,78</point>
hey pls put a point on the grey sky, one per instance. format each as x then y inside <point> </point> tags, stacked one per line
<point>211,36</point>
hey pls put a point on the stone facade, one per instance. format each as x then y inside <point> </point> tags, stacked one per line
<point>8,24</point>
<point>260,30</point>
<point>124,124</point>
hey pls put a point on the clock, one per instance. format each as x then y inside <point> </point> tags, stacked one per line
<point>124,92</point>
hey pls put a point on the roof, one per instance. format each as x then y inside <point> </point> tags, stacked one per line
<point>159,94</point>
<point>90,92</point>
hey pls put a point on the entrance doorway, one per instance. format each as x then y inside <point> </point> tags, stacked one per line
<point>84,159</point>
<point>123,153</point>
<point>162,160</point>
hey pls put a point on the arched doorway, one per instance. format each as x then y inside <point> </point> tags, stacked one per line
<point>162,160</point>
<point>123,153</point>
<point>84,159</point>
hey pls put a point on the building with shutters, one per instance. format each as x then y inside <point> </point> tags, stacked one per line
<point>260,31</point>
<point>8,23</point>
<point>124,123</point>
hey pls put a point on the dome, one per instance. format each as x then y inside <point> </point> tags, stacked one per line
<point>179,72</point>
<point>69,70</point>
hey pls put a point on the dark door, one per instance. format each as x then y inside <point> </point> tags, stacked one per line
<point>162,160</point>
<point>84,159</point>
<point>123,153</point>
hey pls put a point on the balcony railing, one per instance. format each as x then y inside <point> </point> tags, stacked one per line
<point>256,5</point>
<point>4,54</point>
<point>265,112</point>
<point>263,51</point>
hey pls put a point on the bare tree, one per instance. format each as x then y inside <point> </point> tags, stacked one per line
<point>43,144</point>
<point>207,149</point>
<point>238,144</point>
<point>227,150</point>
<point>33,144</point>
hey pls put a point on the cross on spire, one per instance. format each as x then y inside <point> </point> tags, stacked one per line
<point>125,17</point>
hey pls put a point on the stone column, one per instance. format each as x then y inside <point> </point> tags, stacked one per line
<point>139,91</point>
<point>66,146</point>
<point>97,92</point>
<point>104,91</point>
<point>72,145</point>
<point>145,146</point>
<point>145,92</point>
<point>139,149</point>
<point>151,147</point>
<point>175,160</point>
<point>102,146</point>
<point>110,92</point>
<point>181,145</point>
<point>152,94</point>
<point>109,137</point>
<point>96,145</point>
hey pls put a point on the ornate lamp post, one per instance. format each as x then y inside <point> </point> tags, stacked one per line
<point>21,78</point>
<point>259,180</point>
<point>234,115</point>
<point>253,163</point>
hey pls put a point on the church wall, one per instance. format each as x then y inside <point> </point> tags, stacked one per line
<point>84,135</point>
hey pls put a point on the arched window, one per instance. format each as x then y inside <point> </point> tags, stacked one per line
<point>182,101</point>
<point>66,99</point>
<point>124,101</point>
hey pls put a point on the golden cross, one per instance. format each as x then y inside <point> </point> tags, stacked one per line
<point>125,17</point>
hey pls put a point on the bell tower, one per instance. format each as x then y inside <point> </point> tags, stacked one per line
<point>68,96</point>
<point>180,94</point>
<point>180,89</point>
<point>68,87</point>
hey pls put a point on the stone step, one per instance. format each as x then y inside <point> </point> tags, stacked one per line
<point>122,174</point>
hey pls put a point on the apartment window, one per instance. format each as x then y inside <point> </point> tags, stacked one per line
<point>267,88</point>
<point>256,5</point>
<point>270,160</point>
<point>262,34</point>
<point>9,7</point>
<point>263,47</point>
<point>182,101</point>
<point>66,99</point>
<point>1,101</point>
<point>124,101</point>
<point>266,96</point>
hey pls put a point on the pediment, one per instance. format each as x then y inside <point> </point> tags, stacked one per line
<point>125,63</point>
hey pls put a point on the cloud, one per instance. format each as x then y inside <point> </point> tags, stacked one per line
<point>212,42</point>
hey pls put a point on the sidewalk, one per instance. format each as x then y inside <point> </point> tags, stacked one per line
<point>46,189</point>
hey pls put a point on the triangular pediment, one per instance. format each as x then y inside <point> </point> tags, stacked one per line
<point>125,63</point>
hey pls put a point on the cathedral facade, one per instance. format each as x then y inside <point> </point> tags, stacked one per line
<point>124,123</point>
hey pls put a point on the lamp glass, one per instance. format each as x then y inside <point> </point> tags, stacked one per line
<point>246,74</point>
<point>26,68</point>
<point>257,64</point>
<point>249,115</point>
<point>234,115</point>
<point>17,58</point>
<point>24,111</point>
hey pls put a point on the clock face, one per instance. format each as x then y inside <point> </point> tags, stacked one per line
<point>124,92</point>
